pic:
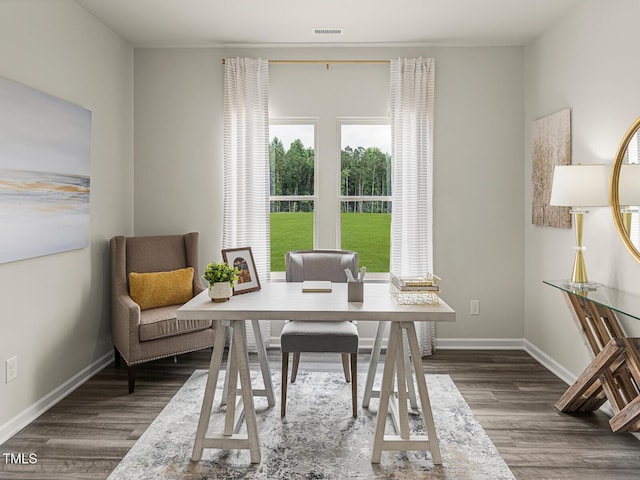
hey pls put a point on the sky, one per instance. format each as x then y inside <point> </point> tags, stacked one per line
<point>351,135</point>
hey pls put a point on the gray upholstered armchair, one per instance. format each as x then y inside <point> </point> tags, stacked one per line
<point>165,276</point>
<point>317,336</point>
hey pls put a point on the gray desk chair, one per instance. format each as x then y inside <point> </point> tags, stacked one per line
<point>317,336</point>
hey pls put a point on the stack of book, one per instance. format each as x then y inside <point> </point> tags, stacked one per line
<point>416,290</point>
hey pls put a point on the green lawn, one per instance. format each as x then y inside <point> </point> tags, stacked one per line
<point>366,233</point>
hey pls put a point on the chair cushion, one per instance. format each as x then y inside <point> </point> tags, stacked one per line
<point>161,322</point>
<point>303,336</point>
<point>159,289</point>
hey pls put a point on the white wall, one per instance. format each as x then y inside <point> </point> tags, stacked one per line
<point>586,62</point>
<point>479,245</point>
<point>55,308</point>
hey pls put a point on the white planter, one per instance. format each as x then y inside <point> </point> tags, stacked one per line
<point>220,291</point>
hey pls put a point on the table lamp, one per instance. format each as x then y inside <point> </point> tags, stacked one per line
<point>629,192</point>
<point>579,186</point>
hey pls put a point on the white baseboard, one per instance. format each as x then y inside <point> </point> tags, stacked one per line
<point>32,412</point>
<point>479,344</point>
<point>366,343</point>
<point>549,363</point>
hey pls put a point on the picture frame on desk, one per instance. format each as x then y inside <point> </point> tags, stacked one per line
<point>242,259</point>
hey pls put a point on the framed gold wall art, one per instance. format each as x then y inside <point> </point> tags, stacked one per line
<point>550,146</point>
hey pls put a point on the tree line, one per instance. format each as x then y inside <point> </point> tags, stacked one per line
<point>364,172</point>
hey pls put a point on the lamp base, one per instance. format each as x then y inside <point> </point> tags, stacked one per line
<point>579,268</point>
<point>580,287</point>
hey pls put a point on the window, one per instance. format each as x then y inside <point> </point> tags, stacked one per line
<point>337,201</point>
<point>365,190</point>
<point>292,185</point>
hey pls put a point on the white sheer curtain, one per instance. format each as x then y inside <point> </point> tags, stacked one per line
<point>246,164</point>
<point>412,106</point>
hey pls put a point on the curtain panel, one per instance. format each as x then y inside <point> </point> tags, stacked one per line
<point>246,164</point>
<point>412,113</point>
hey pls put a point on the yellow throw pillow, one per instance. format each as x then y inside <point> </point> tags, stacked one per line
<point>159,289</point>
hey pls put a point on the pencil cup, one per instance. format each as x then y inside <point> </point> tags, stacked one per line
<point>355,291</point>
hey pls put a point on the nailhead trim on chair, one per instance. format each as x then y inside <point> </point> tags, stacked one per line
<point>169,355</point>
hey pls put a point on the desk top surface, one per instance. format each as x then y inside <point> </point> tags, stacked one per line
<point>286,301</point>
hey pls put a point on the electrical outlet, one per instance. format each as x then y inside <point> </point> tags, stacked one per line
<point>475,307</point>
<point>11,369</point>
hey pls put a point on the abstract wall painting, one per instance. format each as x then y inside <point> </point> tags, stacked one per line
<point>45,158</point>
<point>550,146</point>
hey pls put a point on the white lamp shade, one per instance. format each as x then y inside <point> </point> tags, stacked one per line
<point>580,186</point>
<point>629,185</point>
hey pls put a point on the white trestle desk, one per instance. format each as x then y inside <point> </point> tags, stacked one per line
<point>286,301</point>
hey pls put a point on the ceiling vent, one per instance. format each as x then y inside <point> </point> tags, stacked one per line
<point>327,31</point>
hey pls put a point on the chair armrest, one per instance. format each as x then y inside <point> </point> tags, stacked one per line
<point>125,323</point>
<point>124,303</point>
<point>198,286</point>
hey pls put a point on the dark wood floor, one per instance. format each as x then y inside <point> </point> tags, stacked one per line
<point>511,395</point>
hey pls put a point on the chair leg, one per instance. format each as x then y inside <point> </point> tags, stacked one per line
<point>283,388</point>
<point>345,367</point>
<point>117,357</point>
<point>294,369</point>
<point>354,384</point>
<point>131,371</point>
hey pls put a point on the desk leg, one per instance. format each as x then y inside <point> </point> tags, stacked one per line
<point>207,401</point>
<point>232,382</point>
<point>396,359</point>
<point>373,365</point>
<point>239,365</point>
<point>264,367</point>
<point>409,375</point>
<point>242,357</point>
<point>385,394</point>
<point>264,363</point>
<point>424,394</point>
<point>225,388</point>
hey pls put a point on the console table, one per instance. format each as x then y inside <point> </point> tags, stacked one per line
<point>614,373</point>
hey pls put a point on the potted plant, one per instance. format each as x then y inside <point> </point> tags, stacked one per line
<point>221,277</point>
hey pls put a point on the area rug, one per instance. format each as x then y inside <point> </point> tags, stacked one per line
<point>318,438</point>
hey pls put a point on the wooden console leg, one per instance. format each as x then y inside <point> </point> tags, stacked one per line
<point>574,398</point>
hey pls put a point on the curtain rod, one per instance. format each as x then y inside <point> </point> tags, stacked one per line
<point>327,62</point>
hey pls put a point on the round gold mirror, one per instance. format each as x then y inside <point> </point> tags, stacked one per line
<point>625,189</point>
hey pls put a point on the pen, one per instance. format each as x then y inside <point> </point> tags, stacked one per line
<point>349,275</point>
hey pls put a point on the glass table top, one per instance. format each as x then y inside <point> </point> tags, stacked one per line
<point>618,301</point>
